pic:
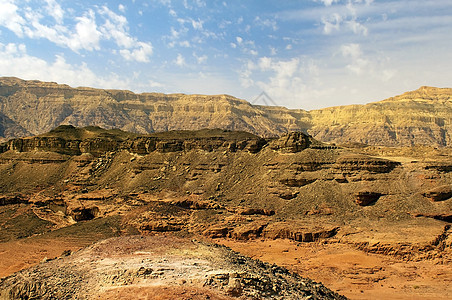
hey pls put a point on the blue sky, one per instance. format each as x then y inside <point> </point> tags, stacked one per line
<point>304,54</point>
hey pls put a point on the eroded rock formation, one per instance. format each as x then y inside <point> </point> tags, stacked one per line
<point>421,117</point>
<point>218,183</point>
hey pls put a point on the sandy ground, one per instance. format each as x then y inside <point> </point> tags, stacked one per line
<point>353,273</point>
<point>163,292</point>
<point>21,254</point>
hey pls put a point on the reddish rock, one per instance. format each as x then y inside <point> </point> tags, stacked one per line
<point>249,231</point>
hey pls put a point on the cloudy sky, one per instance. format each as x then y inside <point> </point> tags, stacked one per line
<point>305,54</point>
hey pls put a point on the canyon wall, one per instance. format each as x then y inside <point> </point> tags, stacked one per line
<point>420,117</point>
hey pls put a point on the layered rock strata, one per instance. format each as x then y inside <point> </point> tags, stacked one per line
<point>420,117</point>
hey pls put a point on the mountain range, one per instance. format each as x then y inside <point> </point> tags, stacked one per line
<point>420,117</point>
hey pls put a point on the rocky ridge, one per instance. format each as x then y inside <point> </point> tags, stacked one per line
<point>225,184</point>
<point>421,117</point>
<point>69,140</point>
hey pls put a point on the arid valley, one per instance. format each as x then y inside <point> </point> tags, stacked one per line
<point>109,194</point>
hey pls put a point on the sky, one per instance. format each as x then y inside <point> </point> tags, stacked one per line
<point>306,54</point>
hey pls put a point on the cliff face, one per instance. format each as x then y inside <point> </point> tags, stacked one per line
<point>419,117</point>
<point>422,117</point>
<point>69,140</point>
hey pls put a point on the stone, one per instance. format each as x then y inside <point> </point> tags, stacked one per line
<point>234,287</point>
<point>440,193</point>
<point>364,198</point>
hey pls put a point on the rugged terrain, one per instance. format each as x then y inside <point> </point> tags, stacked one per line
<point>421,117</point>
<point>158,267</point>
<point>376,214</point>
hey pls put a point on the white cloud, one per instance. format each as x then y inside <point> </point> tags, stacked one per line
<point>185,44</point>
<point>121,8</point>
<point>273,50</point>
<point>200,3</point>
<point>357,27</point>
<point>371,66</point>
<point>180,60</point>
<point>200,59</point>
<point>115,28</point>
<point>358,63</point>
<point>303,82</point>
<point>194,4</point>
<point>155,84</point>
<point>165,2</point>
<point>332,22</point>
<point>327,2</point>
<point>140,53</point>
<point>54,9</point>
<point>265,63</point>
<point>289,82</point>
<point>351,50</point>
<point>9,17</point>
<point>197,24</point>
<point>14,61</point>
<point>266,23</point>
<point>87,34</point>
<point>283,73</point>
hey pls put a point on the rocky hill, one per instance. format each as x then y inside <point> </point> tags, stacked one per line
<point>421,117</point>
<point>139,267</point>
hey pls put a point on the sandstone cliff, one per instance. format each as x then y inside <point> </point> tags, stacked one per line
<point>69,140</point>
<point>419,117</point>
<point>422,117</point>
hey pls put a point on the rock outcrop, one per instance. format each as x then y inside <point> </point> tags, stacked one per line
<point>421,117</point>
<point>66,139</point>
<point>138,267</point>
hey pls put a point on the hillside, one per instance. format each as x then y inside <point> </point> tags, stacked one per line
<point>74,186</point>
<point>421,117</point>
